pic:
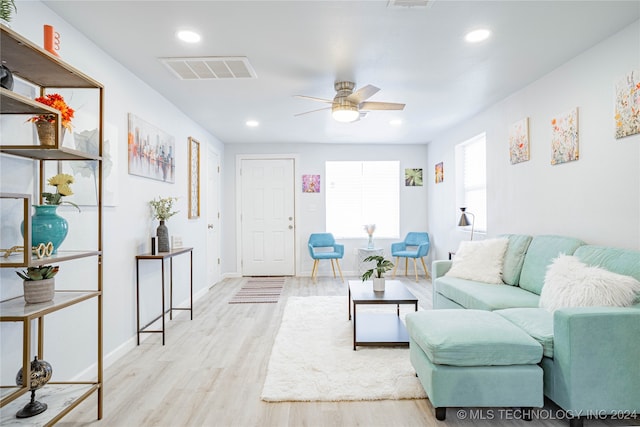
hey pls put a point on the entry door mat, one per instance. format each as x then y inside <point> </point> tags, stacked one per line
<point>313,359</point>
<point>259,290</point>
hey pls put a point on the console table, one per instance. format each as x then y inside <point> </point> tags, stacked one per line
<point>162,256</point>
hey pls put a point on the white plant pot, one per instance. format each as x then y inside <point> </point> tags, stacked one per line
<point>378,284</point>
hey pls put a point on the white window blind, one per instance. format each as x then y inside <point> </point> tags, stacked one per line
<point>360,193</point>
<point>471,179</point>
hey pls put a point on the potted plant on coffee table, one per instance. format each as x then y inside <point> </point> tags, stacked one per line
<point>38,283</point>
<point>382,266</point>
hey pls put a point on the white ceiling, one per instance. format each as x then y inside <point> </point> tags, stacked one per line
<point>416,56</point>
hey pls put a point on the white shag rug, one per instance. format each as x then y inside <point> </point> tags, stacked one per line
<point>313,359</point>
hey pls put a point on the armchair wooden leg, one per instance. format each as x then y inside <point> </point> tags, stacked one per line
<point>339,270</point>
<point>415,268</point>
<point>314,269</point>
<point>406,266</point>
<point>333,269</point>
<point>426,273</point>
<point>395,267</point>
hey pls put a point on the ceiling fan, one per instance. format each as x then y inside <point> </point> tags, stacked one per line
<point>348,105</point>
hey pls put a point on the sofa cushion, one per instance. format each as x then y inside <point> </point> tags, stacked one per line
<point>541,252</point>
<point>481,260</point>
<point>484,296</point>
<point>617,260</point>
<point>571,283</point>
<point>536,322</point>
<point>471,338</point>
<point>514,257</point>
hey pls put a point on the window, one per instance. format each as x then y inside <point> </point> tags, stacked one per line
<point>360,193</point>
<point>471,179</point>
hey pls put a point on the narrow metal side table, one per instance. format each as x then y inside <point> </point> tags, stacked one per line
<point>162,256</point>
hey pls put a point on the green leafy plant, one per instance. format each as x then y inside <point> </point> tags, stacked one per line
<point>163,208</point>
<point>41,272</point>
<point>7,7</point>
<point>382,266</point>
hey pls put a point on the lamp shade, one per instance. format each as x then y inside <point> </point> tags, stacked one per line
<point>345,114</point>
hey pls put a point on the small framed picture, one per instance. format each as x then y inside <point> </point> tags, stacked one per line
<point>194,178</point>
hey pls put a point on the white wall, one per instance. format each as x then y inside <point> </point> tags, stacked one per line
<point>311,207</point>
<point>596,198</point>
<point>127,226</point>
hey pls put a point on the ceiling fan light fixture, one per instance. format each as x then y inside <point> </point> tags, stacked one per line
<point>345,114</point>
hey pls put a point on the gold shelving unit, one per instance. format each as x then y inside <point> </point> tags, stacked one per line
<point>33,64</point>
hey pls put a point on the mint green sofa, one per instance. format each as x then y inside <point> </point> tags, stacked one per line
<point>591,360</point>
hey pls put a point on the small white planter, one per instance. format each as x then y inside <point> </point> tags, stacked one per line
<point>38,291</point>
<point>378,284</point>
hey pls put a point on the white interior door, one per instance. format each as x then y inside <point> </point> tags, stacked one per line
<point>213,216</point>
<point>267,215</point>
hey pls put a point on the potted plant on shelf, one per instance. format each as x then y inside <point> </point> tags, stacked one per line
<point>38,283</point>
<point>163,210</point>
<point>46,123</point>
<point>382,266</point>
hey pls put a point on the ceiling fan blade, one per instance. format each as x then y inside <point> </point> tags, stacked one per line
<point>312,111</point>
<point>313,98</point>
<point>371,106</point>
<point>362,94</point>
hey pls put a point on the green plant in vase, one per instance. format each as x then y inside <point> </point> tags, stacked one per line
<point>162,210</point>
<point>382,266</point>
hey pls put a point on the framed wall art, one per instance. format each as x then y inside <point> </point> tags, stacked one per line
<point>627,115</point>
<point>310,183</point>
<point>519,141</point>
<point>151,151</point>
<point>194,178</point>
<point>564,138</point>
<point>413,177</point>
<point>439,172</point>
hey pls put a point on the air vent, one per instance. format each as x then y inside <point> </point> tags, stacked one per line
<point>211,67</point>
<point>410,3</point>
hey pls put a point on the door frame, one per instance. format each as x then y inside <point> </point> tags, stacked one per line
<point>297,182</point>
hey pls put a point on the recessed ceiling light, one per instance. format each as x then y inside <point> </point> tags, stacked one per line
<point>188,36</point>
<point>252,123</point>
<point>395,122</point>
<point>477,36</point>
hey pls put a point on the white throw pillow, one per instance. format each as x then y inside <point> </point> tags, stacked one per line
<point>571,283</point>
<point>480,260</point>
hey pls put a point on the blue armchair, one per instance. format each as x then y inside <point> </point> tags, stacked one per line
<point>415,245</point>
<point>325,241</point>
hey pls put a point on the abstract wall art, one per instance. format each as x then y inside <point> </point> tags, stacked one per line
<point>519,141</point>
<point>151,151</point>
<point>310,183</point>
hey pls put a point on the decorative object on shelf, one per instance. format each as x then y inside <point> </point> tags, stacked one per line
<point>6,78</point>
<point>413,177</point>
<point>464,220</point>
<point>194,178</point>
<point>51,40</point>
<point>46,225</point>
<point>46,123</point>
<point>163,210</point>
<point>519,141</point>
<point>7,7</point>
<point>439,172</point>
<point>564,138</point>
<point>382,266</point>
<point>370,228</point>
<point>41,372</point>
<point>151,160</point>
<point>627,101</point>
<point>39,251</point>
<point>38,283</point>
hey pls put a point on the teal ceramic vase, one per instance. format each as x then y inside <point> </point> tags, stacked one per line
<point>47,226</point>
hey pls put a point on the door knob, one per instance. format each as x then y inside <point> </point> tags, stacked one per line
<point>290,227</point>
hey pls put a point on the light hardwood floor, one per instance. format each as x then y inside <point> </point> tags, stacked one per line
<point>211,372</point>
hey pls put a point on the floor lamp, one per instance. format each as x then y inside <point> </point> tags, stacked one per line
<point>464,220</point>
